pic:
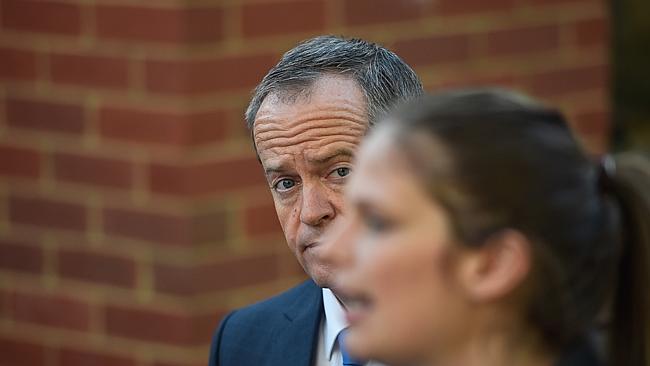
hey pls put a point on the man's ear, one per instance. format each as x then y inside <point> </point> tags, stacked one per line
<point>498,267</point>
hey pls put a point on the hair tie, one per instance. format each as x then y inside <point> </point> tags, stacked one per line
<point>606,174</point>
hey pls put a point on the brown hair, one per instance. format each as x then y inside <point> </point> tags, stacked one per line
<point>515,164</point>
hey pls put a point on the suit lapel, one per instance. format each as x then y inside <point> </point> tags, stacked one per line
<point>295,340</point>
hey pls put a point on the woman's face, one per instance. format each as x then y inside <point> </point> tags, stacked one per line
<point>399,287</point>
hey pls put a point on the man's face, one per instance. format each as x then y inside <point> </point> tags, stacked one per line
<point>306,146</point>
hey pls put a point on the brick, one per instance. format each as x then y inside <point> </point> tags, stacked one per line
<point>182,364</point>
<point>463,7</point>
<point>20,256</point>
<point>280,17</point>
<point>470,81</point>
<point>592,32</point>
<point>47,213</point>
<point>205,127</point>
<point>153,325</point>
<point>165,229</point>
<point>436,49</point>
<point>206,178</point>
<point>51,310</point>
<point>162,127</point>
<point>563,81</point>
<point>89,70</point>
<point>97,267</point>
<point>364,12</point>
<point>523,40</point>
<point>72,357</point>
<point>172,24</point>
<point>17,64</point>
<point>45,116</point>
<point>550,2</point>
<point>592,123</point>
<point>260,220</point>
<point>231,274</point>
<point>44,16</point>
<point>4,307</point>
<point>20,162</point>
<point>178,280</point>
<point>21,353</point>
<point>94,170</point>
<point>206,76</point>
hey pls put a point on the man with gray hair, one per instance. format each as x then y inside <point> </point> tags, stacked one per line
<point>306,118</point>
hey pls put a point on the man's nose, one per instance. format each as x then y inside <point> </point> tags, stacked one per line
<point>317,205</point>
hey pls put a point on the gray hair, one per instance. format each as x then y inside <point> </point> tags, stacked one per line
<point>384,78</point>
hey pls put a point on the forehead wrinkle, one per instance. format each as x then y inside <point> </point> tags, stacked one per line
<point>286,125</point>
<point>278,146</point>
<point>313,128</point>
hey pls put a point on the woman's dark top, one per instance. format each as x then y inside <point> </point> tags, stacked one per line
<point>582,353</point>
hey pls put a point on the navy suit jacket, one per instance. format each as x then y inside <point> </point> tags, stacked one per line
<point>282,330</point>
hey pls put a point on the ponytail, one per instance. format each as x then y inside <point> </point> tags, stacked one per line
<point>629,331</point>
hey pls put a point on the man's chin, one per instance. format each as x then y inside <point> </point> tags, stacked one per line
<point>321,276</point>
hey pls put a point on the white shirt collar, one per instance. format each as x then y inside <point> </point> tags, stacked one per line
<point>334,320</point>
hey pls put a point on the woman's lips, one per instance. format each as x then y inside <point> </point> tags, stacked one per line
<point>353,318</point>
<point>357,307</point>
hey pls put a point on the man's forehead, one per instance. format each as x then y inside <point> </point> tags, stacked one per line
<point>310,136</point>
<point>309,129</point>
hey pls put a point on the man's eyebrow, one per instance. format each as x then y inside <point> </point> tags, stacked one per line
<point>327,157</point>
<point>275,168</point>
<point>282,166</point>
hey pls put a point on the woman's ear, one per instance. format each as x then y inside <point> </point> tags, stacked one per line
<point>497,268</point>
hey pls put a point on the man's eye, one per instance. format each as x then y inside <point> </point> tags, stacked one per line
<point>341,172</point>
<point>284,185</point>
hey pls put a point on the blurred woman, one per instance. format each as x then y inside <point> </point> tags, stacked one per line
<point>484,236</point>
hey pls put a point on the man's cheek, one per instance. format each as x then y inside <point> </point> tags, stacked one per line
<point>283,213</point>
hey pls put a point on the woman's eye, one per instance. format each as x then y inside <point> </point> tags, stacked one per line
<point>376,223</point>
<point>342,172</point>
<point>284,185</point>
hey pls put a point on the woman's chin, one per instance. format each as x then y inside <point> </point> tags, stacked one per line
<point>365,343</point>
<point>360,343</point>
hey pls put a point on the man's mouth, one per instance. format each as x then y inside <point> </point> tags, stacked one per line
<point>311,245</point>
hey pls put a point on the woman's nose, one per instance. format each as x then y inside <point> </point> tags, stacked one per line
<point>338,243</point>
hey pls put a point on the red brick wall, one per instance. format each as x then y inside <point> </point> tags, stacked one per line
<point>133,213</point>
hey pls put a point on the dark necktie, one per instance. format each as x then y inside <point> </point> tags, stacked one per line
<point>347,359</point>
